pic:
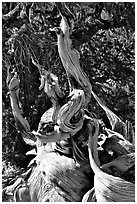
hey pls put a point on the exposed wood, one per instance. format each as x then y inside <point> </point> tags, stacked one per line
<point>108,188</point>
<point>118,144</point>
<point>123,163</point>
<point>58,178</point>
<point>90,196</point>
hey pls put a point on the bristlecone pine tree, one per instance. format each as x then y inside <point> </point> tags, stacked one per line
<point>77,158</point>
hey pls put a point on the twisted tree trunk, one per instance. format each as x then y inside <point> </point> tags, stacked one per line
<point>61,170</point>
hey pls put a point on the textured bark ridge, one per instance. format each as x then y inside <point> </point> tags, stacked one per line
<point>66,139</point>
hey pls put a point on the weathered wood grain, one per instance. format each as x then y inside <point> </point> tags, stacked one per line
<point>108,188</point>
<point>59,178</point>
